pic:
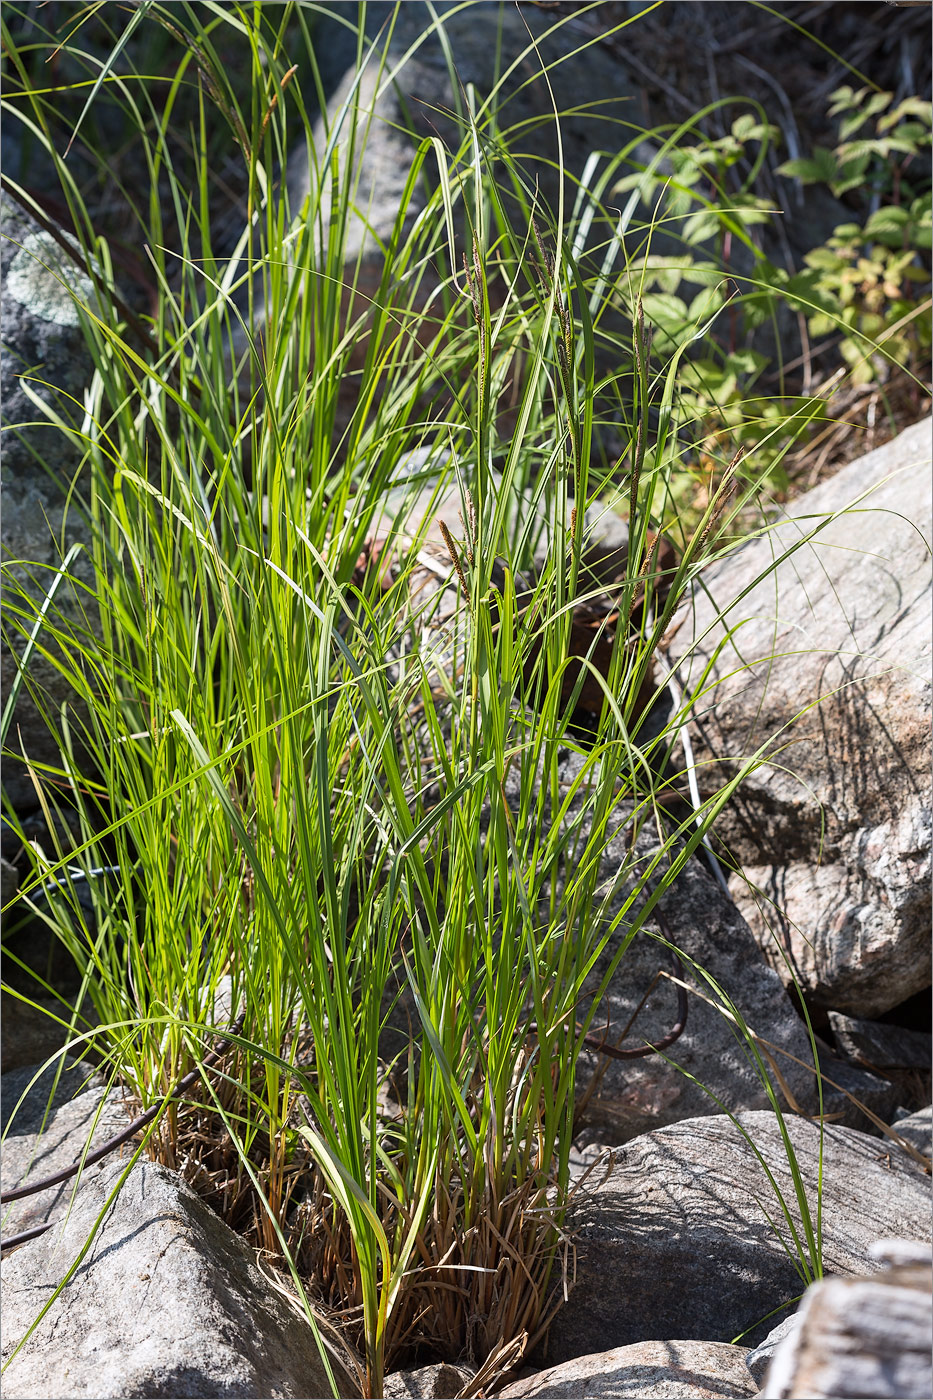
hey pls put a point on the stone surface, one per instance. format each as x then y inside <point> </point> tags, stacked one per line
<point>760,1359</point>
<point>868,1338</point>
<point>845,618</point>
<point>42,340</point>
<point>416,96</point>
<point>661,1370</point>
<point>30,1032</point>
<point>440,1382</point>
<point>708,1069</point>
<point>9,881</point>
<point>168,1301</point>
<point>677,1239</point>
<point>880,1046</point>
<point>917,1128</point>
<point>48,1130</point>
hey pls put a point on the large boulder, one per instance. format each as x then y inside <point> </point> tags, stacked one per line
<point>167,1301</point>
<point>44,353</point>
<point>422,91</point>
<point>917,1129</point>
<point>674,1370</point>
<point>685,1236</point>
<point>830,652</point>
<point>437,1382</point>
<point>50,1116</point>
<point>880,1046</point>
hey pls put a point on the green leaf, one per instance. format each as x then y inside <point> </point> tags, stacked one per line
<point>843,98</point>
<point>703,274</point>
<point>667,312</point>
<point>705,302</point>
<point>747,362</point>
<point>701,226</point>
<point>821,166</point>
<point>910,107</point>
<point>859,153</point>
<point>910,136</point>
<point>824,258</point>
<point>846,234</point>
<point>888,224</point>
<point>876,103</point>
<point>771,275</point>
<point>922,233</point>
<point>850,176</point>
<point>704,374</point>
<point>665,273</point>
<point>748,128</point>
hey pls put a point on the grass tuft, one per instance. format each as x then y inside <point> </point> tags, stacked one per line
<point>314,754</point>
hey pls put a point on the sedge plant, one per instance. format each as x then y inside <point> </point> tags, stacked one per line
<point>309,806</point>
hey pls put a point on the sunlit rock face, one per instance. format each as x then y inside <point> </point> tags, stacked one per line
<point>830,652</point>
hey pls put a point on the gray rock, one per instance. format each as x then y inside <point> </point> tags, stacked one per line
<point>867,1338</point>
<point>709,1069</point>
<point>847,1090</point>
<point>9,881</point>
<point>30,1031</point>
<point>46,1131</point>
<point>879,1046</point>
<point>29,1095</point>
<point>42,339</point>
<point>672,1370</point>
<point>760,1359</point>
<point>439,1382</point>
<point>917,1128</point>
<point>847,618</point>
<point>420,98</point>
<point>167,1301</point>
<point>677,1239</point>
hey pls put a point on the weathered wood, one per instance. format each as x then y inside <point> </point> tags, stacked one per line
<point>862,1338</point>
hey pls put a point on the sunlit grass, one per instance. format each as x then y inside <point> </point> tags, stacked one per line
<point>312,807</point>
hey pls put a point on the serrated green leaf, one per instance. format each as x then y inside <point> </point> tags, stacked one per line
<point>850,125</point>
<point>665,273</point>
<point>821,165</point>
<point>887,223</point>
<point>846,234</point>
<point>703,274</point>
<point>876,103</point>
<point>858,154</point>
<point>771,275</point>
<point>909,107</point>
<point>747,361</point>
<point>747,127</point>
<point>843,97</point>
<point>824,258</point>
<point>700,227</point>
<point>705,302</point>
<point>665,311</point>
